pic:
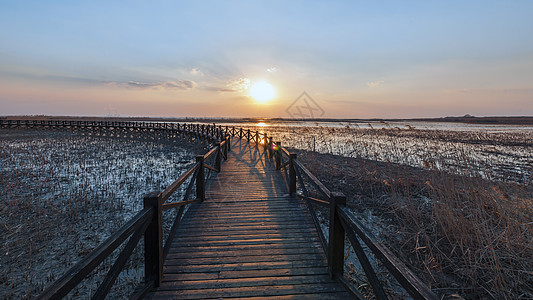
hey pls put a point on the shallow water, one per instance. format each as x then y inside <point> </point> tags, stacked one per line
<point>62,194</point>
<point>496,152</point>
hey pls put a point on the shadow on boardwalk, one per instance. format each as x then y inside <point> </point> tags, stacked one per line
<point>247,239</point>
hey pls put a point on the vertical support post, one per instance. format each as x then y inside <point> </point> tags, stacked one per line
<point>200,179</point>
<point>240,134</point>
<point>153,242</point>
<point>270,153</point>
<point>277,155</point>
<point>226,148</point>
<point>248,135</point>
<point>265,139</point>
<point>218,157</point>
<point>292,174</point>
<point>336,237</point>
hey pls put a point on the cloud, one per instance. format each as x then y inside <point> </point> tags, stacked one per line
<point>180,85</point>
<point>238,85</point>
<point>166,85</point>
<point>457,91</point>
<point>272,70</point>
<point>374,84</point>
<point>514,91</point>
<point>196,72</point>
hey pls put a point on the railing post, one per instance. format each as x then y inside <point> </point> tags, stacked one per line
<point>277,155</point>
<point>153,242</point>
<point>226,148</point>
<point>200,179</point>
<point>292,174</point>
<point>218,157</point>
<point>240,134</point>
<point>270,153</point>
<point>248,135</point>
<point>336,237</point>
<point>265,141</point>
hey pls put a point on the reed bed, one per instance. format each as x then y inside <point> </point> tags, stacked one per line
<point>503,155</point>
<point>463,235</point>
<point>63,193</point>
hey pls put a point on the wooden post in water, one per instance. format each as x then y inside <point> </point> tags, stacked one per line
<point>292,174</point>
<point>200,178</point>
<point>336,237</point>
<point>153,241</point>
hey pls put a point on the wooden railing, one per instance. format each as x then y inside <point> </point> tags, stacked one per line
<point>343,224</point>
<point>148,222</point>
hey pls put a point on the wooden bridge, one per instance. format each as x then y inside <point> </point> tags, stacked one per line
<point>251,231</point>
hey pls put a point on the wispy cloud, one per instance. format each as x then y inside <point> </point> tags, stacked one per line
<point>457,91</point>
<point>166,85</point>
<point>375,84</point>
<point>239,85</point>
<point>490,90</point>
<point>196,72</point>
<point>272,70</point>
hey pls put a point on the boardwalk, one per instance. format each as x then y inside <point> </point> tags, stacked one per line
<point>247,239</point>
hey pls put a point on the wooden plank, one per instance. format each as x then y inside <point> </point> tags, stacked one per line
<point>243,252</point>
<point>243,237</point>
<point>190,248</point>
<point>244,282</point>
<point>280,290</point>
<point>239,258</point>
<point>307,271</point>
<point>258,241</point>
<point>245,266</point>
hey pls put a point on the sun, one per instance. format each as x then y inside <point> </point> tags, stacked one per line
<point>262,91</point>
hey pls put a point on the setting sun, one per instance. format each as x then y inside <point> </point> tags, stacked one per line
<point>262,91</point>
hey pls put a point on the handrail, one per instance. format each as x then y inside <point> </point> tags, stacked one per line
<point>176,184</point>
<point>398,269</point>
<point>148,221</point>
<point>321,187</point>
<point>209,153</point>
<point>77,273</point>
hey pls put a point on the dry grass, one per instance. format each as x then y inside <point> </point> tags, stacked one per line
<point>462,235</point>
<point>62,194</point>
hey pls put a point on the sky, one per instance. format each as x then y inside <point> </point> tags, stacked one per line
<point>353,59</point>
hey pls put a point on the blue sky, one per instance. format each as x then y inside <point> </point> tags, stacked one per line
<point>198,58</point>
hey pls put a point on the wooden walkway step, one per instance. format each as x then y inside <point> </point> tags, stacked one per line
<point>248,239</point>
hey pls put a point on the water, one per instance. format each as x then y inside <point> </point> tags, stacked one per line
<point>496,152</point>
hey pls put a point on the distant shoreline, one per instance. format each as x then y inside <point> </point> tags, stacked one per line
<point>496,120</point>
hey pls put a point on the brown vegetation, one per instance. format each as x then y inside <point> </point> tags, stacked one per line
<point>462,235</point>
